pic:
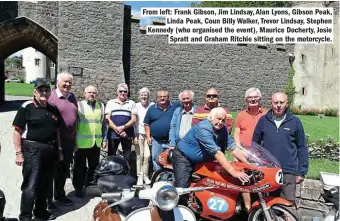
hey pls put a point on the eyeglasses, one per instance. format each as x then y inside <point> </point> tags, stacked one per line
<point>212,95</point>
<point>122,92</point>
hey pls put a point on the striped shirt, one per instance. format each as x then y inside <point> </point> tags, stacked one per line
<point>120,114</point>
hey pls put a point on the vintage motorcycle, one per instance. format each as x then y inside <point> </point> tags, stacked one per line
<point>225,201</point>
<point>142,203</point>
<point>128,202</point>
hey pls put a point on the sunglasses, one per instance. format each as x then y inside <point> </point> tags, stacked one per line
<point>122,92</point>
<point>212,95</point>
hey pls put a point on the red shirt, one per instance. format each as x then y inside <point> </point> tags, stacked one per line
<point>203,113</point>
<point>247,123</point>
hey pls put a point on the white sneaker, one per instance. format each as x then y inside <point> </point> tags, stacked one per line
<point>147,181</point>
<point>140,181</point>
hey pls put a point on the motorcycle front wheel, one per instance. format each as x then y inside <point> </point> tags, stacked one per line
<point>280,212</point>
<point>163,175</point>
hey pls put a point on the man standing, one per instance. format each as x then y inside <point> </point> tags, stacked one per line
<point>283,135</point>
<point>211,101</point>
<point>157,125</point>
<point>182,118</point>
<point>120,120</point>
<point>141,145</point>
<point>66,103</point>
<point>247,119</point>
<point>88,139</point>
<point>36,138</point>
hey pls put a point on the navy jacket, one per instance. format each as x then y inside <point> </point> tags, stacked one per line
<point>287,143</point>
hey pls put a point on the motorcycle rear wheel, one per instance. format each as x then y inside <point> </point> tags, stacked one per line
<point>281,213</point>
<point>163,175</point>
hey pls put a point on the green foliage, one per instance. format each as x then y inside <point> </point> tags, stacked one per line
<point>290,88</point>
<point>243,4</point>
<point>12,63</point>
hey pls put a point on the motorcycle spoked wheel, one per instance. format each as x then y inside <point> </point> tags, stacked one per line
<point>163,175</point>
<point>281,213</point>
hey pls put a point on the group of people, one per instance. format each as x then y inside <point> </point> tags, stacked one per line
<point>54,129</point>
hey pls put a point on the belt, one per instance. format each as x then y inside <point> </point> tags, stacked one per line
<point>52,142</point>
<point>161,140</point>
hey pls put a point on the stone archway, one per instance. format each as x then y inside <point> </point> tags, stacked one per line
<point>19,33</point>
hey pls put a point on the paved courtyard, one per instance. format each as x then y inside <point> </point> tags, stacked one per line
<point>11,178</point>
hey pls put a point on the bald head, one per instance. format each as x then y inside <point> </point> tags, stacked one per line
<point>279,104</point>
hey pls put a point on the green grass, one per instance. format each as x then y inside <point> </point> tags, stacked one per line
<point>321,165</point>
<point>19,89</point>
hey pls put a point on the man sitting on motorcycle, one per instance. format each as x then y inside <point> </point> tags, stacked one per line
<point>206,141</point>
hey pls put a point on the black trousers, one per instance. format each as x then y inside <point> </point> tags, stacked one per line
<point>62,171</point>
<point>126,146</point>
<point>37,170</point>
<point>80,169</point>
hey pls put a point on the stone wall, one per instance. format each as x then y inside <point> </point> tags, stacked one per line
<point>309,202</point>
<point>45,13</point>
<point>90,44</point>
<point>230,68</point>
<point>8,10</point>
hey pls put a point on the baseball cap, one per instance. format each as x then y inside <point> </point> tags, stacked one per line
<point>41,83</point>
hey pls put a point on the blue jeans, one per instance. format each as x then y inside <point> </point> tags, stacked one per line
<point>157,148</point>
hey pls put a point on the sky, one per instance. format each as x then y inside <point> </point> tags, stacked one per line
<point>137,5</point>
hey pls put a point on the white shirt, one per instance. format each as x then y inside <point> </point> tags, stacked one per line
<point>140,112</point>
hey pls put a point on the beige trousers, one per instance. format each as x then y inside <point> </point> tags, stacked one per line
<point>143,154</point>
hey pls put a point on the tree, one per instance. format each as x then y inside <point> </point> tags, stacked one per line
<point>243,4</point>
<point>13,63</point>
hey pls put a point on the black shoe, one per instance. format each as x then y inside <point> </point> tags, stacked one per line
<point>45,216</point>
<point>24,219</point>
<point>51,207</point>
<point>64,201</point>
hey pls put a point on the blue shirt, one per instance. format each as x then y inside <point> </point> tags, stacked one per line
<point>159,120</point>
<point>201,143</point>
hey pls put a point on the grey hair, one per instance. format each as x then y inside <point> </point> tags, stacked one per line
<point>144,90</point>
<point>64,74</point>
<point>215,111</point>
<point>192,94</point>
<point>91,86</point>
<point>253,89</point>
<point>123,85</point>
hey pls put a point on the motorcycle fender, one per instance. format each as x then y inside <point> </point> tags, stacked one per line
<point>270,201</point>
<point>181,213</point>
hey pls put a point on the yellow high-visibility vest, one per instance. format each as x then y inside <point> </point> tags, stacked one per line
<point>89,130</point>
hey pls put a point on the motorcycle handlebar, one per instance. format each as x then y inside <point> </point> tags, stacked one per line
<point>108,196</point>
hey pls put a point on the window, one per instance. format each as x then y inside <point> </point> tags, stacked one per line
<point>303,58</point>
<point>37,62</point>
<point>303,91</point>
<point>52,65</point>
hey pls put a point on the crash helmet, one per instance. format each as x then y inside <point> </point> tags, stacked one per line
<point>112,165</point>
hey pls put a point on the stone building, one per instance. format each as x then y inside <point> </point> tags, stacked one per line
<point>100,44</point>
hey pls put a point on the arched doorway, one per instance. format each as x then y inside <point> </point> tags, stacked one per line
<point>19,33</point>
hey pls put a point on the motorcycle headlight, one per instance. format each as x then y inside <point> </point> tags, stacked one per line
<point>167,197</point>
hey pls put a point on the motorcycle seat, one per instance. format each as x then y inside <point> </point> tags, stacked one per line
<point>115,182</point>
<point>131,205</point>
